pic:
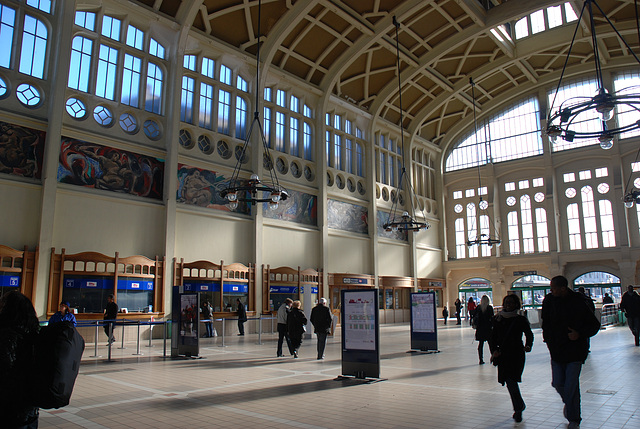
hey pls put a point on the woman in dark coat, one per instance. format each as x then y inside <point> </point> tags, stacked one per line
<point>507,350</point>
<point>482,319</point>
<point>296,322</point>
<point>458,305</point>
<point>18,331</point>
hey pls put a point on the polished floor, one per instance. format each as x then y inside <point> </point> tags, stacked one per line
<point>243,384</point>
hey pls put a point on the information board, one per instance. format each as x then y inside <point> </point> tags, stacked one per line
<point>360,334</point>
<point>186,308</point>
<point>424,335</point>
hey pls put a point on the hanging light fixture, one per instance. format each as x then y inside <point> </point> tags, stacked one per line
<point>480,238</point>
<point>631,196</point>
<point>563,121</point>
<point>255,190</point>
<point>404,221</point>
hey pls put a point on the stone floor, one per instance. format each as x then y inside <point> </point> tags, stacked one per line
<point>243,384</point>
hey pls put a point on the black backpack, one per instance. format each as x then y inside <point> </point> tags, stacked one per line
<point>58,351</point>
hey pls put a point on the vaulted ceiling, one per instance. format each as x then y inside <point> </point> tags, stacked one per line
<point>348,48</point>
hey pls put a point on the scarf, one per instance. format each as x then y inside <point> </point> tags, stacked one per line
<point>507,314</point>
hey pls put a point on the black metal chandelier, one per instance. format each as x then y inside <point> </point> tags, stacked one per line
<point>480,238</point>
<point>562,122</point>
<point>405,221</point>
<point>255,190</point>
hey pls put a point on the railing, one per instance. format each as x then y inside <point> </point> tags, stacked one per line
<point>610,315</point>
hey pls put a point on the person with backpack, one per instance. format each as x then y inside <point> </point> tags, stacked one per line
<point>63,314</point>
<point>110,314</point>
<point>18,333</point>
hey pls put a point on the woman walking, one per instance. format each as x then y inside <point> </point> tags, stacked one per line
<point>507,350</point>
<point>296,322</point>
<point>482,320</point>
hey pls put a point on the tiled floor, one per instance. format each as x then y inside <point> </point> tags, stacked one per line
<point>244,385</point>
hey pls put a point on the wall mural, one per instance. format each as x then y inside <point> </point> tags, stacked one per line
<point>21,150</point>
<point>202,188</point>
<point>383,217</point>
<point>298,208</point>
<point>101,167</point>
<point>347,217</point>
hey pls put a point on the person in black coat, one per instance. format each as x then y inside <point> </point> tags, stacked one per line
<point>482,319</point>
<point>242,316</point>
<point>321,320</point>
<point>507,350</point>
<point>18,331</point>
<point>458,305</point>
<point>296,322</point>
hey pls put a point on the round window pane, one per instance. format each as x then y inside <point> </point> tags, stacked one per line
<point>27,94</point>
<point>238,153</point>
<point>401,199</point>
<point>76,108</point>
<point>295,170</point>
<point>385,194</point>
<point>350,185</point>
<point>267,161</point>
<point>185,139</point>
<point>603,188</point>
<point>511,201</point>
<point>457,208</point>
<point>4,88</point>
<point>103,116</point>
<point>204,144</point>
<point>308,173</point>
<point>152,129</point>
<point>281,166</point>
<point>539,197</point>
<point>570,192</point>
<point>128,123</point>
<point>329,179</point>
<point>483,205</point>
<point>361,189</point>
<point>223,149</point>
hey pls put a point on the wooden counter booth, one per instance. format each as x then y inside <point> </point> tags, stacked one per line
<point>87,279</point>
<point>18,271</point>
<point>220,285</point>
<point>339,281</point>
<point>394,299</point>
<point>281,283</point>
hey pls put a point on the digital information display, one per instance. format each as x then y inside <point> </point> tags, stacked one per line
<point>360,333</point>
<point>424,334</point>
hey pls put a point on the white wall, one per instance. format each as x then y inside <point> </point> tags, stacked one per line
<point>291,248</point>
<point>21,203</point>
<point>394,259</point>
<point>349,255</point>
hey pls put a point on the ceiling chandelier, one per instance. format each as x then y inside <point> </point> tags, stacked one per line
<point>404,221</point>
<point>564,122</point>
<point>255,190</point>
<point>481,237</point>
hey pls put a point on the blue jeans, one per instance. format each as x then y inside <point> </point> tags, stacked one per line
<point>565,378</point>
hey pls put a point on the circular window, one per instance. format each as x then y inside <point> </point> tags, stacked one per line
<point>393,196</point>
<point>483,205</point>
<point>185,139</point>
<point>28,94</point>
<point>281,165</point>
<point>385,194</point>
<point>223,149</point>
<point>295,170</point>
<point>377,192</point>
<point>401,198</point>
<point>603,188</point>
<point>361,189</point>
<point>350,185</point>
<point>204,144</point>
<point>242,157</point>
<point>308,173</point>
<point>4,88</point>
<point>539,197</point>
<point>457,208</point>
<point>267,161</point>
<point>76,108</point>
<point>329,179</point>
<point>570,192</point>
<point>152,129</point>
<point>340,182</point>
<point>128,123</point>
<point>511,201</point>
<point>103,116</point>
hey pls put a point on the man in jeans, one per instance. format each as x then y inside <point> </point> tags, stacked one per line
<point>567,325</point>
<point>283,333</point>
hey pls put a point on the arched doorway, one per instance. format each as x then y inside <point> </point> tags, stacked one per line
<point>474,288</point>
<point>531,290</point>
<point>597,283</point>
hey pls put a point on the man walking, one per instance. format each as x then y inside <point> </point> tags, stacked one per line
<point>321,320</point>
<point>630,304</point>
<point>567,325</point>
<point>242,316</point>
<point>283,333</point>
<point>110,314</point>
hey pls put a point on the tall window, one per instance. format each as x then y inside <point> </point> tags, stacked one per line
<point>153,101</point>
<point>627,83</point>
<point>389,155</point>
<point>34,47</point>
<point>544,19</point>
<point>461,241</point>
<point>293,136</point>
<point>590,121</point>
<point>472,228</point>
<point>224,110</point>
<point>573,221</point>
<point>241,118</point>
<point>267,125</point>
<point>280,125</point>
<point>205,111</point>
<point>527,222</point>
<point>308,155</point>
<point>80,63</point>
<point>107,67</point>
<point>186,100</point>
<point>7,26</point>
<point>131,80</point>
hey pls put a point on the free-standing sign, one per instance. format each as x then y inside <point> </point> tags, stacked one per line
<point>424,334</point>
<point>186,308</point>
<point>360,334</point>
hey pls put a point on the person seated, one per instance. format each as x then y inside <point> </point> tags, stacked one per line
<point>64,314</point>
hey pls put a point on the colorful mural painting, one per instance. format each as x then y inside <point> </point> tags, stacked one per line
<point>347,217</point>
<point>101,167</point>
<point>383,217</point>
<point>199,187</point>
<point>299,208</point>
<point>21,150</point>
